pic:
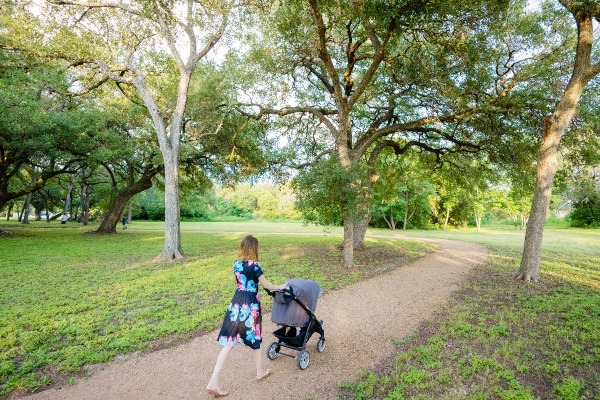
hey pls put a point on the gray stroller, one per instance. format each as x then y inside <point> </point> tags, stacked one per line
<point>293,309</point>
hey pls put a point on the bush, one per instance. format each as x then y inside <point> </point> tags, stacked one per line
<point>585,216</point>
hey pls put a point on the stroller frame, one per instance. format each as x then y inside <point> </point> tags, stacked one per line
<point>290,337</point>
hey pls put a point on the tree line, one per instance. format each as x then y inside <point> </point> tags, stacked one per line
<point>359,103</point>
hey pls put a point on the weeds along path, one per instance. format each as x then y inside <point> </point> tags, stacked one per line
<point>361,323</point>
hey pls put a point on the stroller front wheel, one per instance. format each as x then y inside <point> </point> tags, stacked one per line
<point>321,345</point>
<point>273,350</point>
<point>303,359</point>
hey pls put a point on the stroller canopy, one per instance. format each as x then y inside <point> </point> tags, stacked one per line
<point>287,311</point>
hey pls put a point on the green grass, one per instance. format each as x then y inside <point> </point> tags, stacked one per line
<point>70,299</point>
<point>505,339</point>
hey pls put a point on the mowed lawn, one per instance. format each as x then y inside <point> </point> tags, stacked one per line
<point>504,339</point>
<point>71,299</point>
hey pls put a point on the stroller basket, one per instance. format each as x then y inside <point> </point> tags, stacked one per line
<point>290,335</point>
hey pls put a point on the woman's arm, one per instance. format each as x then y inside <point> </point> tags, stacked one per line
<point>262,281</point>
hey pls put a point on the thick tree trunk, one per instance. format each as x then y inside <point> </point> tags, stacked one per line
<point>172,249</point>
<point>360,231</point>
<point>122,197</point>
<point>546,169</point>
<point>348,252</point>
<point>554,127</point>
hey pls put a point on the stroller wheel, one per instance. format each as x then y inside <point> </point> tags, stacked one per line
<point>273,350</point>
<point>303,359</point>
<point>321,344</point>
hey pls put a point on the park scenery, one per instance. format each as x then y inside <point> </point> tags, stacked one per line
<point>433,165</point>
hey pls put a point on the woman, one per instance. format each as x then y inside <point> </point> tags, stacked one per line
<point>243,319</point>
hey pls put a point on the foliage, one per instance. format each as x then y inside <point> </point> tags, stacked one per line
<point>585,216</point>
<point>403,193</point>
<point>241,202</point>
<point>327,190</point>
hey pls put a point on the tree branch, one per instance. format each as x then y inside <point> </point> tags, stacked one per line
<point>366,140</point>
<point>320,113</point>
<point>309,163</point>
<point>323,55</point>
<point>91,4</point>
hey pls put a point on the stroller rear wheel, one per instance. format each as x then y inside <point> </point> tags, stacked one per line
<point>273,350</point>
<point>321,344</point>
<point>303,359</point>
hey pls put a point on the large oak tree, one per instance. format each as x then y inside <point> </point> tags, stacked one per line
<point>366,76</point>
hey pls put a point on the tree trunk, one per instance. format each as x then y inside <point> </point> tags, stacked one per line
<point>360,231</point>
<point>447,217</point>
<point>172,249</point>
<point>67,205</point>
<point>130,212</point>
<point>117,206</point>
<point>554,127</point>
<point>9,208</point>
<point>20,214</point>
<point>86,208</point>
<point>391,223</point>
<point>26,209</point>
<point>348,251</point>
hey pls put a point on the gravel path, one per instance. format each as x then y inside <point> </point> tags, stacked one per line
<point>360,322</point>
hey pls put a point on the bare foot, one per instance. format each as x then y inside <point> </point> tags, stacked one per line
<point>216,391</point>
<point>266,373</point>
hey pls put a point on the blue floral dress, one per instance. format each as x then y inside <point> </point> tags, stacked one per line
<point>243,319</point>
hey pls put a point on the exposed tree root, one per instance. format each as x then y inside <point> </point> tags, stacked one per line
<point>527,277</point>
<point>178,256</point>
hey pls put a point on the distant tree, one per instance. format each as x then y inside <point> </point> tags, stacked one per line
<point>41,130</point>
<point>403,192</point>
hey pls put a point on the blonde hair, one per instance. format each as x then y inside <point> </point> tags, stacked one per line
<point>248,249</point>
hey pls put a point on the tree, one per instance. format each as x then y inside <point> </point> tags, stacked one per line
<point>426,76</point>
<point>555,124</point>
<point>403,191</point>
<point>39,128</point>
<point>140,45</point>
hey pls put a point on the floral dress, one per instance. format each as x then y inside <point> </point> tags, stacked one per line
<point>243,319</point>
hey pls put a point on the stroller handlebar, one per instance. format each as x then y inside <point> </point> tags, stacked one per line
<point>288,292</point>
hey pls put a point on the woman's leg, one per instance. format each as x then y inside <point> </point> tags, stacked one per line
<point>213,384</point>
<point>260,373</point>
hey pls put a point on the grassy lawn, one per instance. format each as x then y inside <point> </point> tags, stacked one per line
<point>504,339</point>
<point>70,300</point>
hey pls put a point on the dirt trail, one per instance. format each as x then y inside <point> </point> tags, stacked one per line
<point>360,322</point>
